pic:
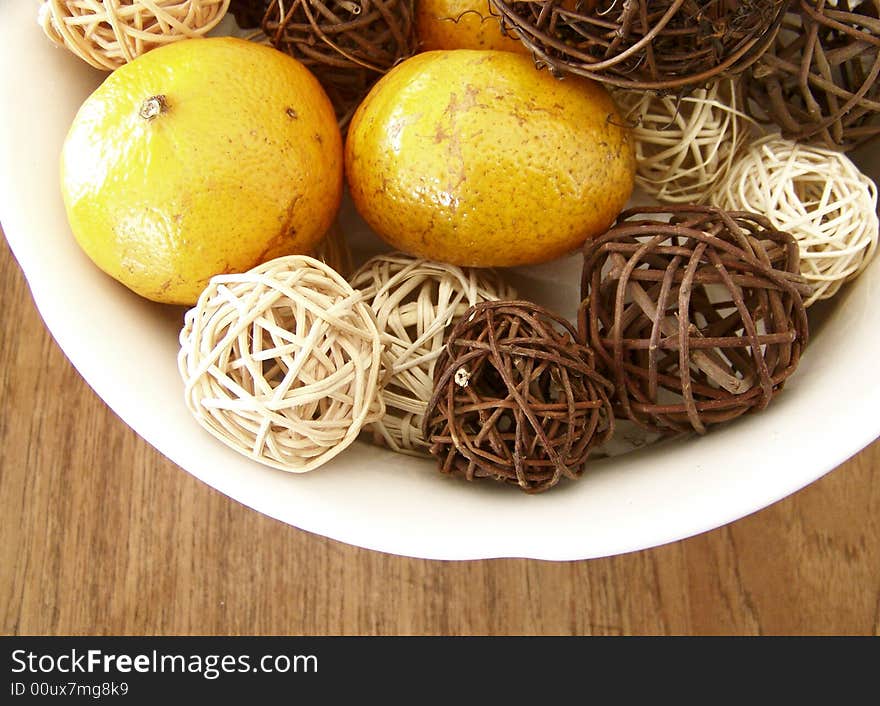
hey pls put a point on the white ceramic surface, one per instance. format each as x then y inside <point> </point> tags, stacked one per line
<point>126,349</point>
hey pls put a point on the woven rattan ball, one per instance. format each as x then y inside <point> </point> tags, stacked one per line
<point>348,44</point>
<point>685,145</point>
<point>248,13</point>
<point>110,33</point>
<point>818,81</point>
<point>415,300</point>
<point>644,44</point>
<point>282,363</point>
<point>696,314</point>
<point>516,398</point>
<point>373,34</point>
<point>816,194</point>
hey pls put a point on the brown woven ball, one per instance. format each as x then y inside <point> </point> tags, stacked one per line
<point>346,88</point>
<point>348,44</point>
<point>416,301</point>
<point>371,34</point>
<point>696,314</point>
<point>248,13</point>
<point>818,81</point>
<point>516,398</point>
<point>644,44</point>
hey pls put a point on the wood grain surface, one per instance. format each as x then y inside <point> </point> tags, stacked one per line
<point>101,535</point>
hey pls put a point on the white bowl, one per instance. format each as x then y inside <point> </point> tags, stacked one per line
<point>126,348</point>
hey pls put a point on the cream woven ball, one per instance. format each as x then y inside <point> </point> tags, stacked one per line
<point>685,145</point>
<point>414,301</point>
<point>816,194</point>
<point>282,362</point>
<point>110,33</point>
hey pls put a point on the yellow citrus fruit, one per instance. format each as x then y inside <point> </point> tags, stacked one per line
<point>477,158</point>
<point>461,24</point>
<point>201,157</point>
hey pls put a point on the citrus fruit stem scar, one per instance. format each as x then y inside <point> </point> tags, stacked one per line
<point>152,106</point>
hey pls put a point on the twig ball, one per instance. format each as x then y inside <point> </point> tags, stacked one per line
<point>516,398</point>
<point>816,194</point>
<point>371,34</point>
<point>348,44</point>
<point>282,363</point>
<point>696,314</point>
<point>818,81</point>
<point>248,13</point>
<point>415,300</point>
<point>108,34</point>
<point>685,144</point>
<point>644,44</point>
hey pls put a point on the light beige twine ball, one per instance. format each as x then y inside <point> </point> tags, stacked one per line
<point>816,194</point>
<point>685,145</point>
<point>110,33</point>
<point>282,362</point>
<point>414,301</point>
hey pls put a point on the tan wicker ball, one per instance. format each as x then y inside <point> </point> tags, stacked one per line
<point>816,194</point>
<point>685,145</point>
<point>282,363</point>
<point>110,33</point>
<point>415,300</point>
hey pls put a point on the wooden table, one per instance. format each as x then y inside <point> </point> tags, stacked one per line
<point>101,535</point>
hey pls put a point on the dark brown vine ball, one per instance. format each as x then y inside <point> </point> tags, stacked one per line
<point>248,13</point>
<point>696,314</point>
<point>370,34</point>
<point>818,81</point>
<point>660,45</point>
<point>516,398</point>
<point>348,44</point>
